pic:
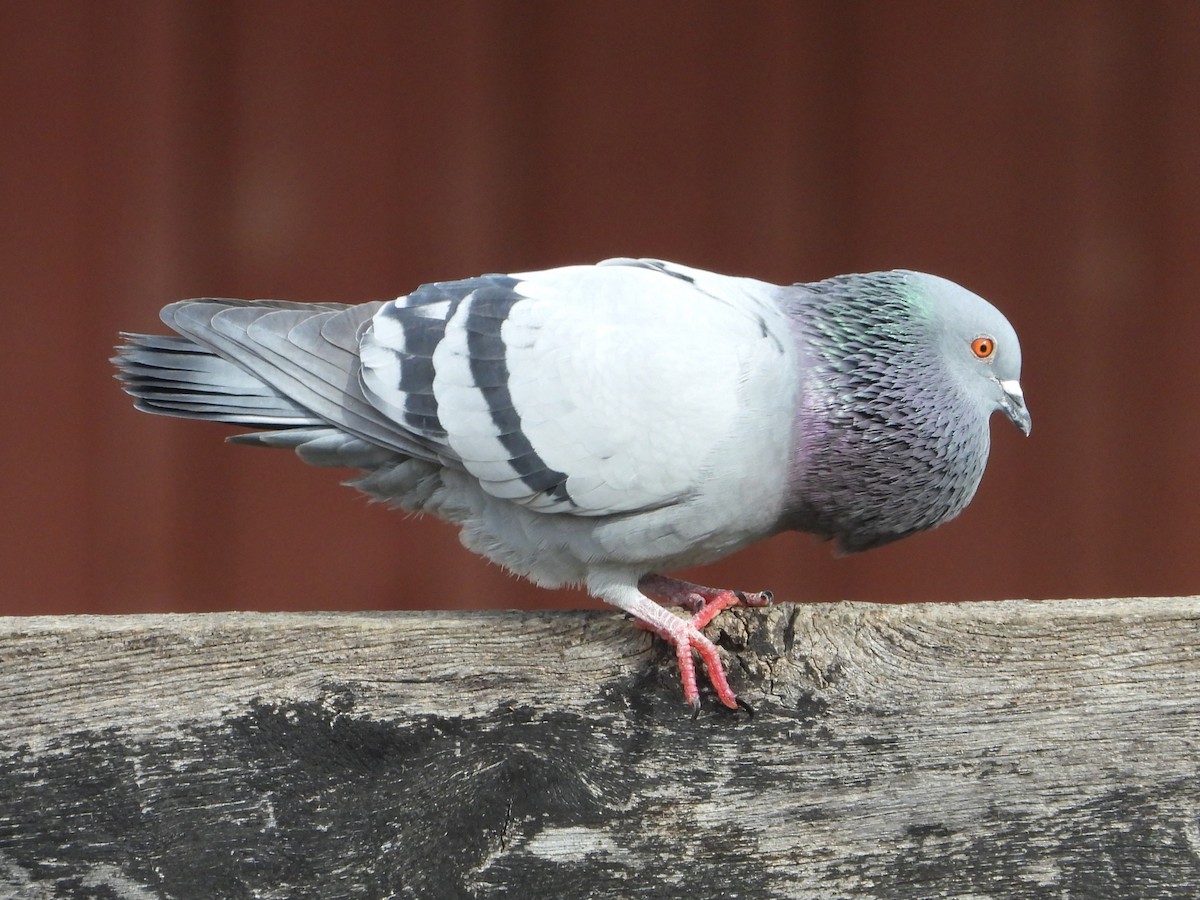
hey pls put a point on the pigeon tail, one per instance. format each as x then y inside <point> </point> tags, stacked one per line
<point>175,376</point>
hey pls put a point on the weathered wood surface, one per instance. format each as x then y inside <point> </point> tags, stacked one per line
<point>980,750</point>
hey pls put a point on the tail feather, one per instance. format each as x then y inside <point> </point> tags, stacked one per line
<point>175,376</point>
<point>325,446</point>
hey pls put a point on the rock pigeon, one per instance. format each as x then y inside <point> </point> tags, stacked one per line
<point>600,425</point>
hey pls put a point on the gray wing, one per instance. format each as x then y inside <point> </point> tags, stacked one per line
<point>592,390</point>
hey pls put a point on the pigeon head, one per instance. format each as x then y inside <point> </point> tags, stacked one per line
<point>979,346</point>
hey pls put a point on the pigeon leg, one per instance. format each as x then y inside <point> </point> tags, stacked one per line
<point>683,634</point>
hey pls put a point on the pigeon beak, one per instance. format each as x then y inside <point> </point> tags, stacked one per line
<point>1013,405</point>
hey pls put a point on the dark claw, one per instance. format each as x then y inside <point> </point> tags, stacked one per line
<point>746,706</point>
<point>695,709</point>
<point>762,598</point>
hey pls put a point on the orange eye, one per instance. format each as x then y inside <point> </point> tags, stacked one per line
<point>983,347</point>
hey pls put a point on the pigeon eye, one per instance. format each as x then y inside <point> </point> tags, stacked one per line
<point>983,347</point>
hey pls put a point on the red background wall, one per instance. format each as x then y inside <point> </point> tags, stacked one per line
<point>1046,155</point>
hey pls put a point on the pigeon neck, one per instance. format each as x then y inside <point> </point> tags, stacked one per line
<point>885,444</point>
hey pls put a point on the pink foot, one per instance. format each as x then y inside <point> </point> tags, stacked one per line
<point>685,634</point>
<point>687,638</point>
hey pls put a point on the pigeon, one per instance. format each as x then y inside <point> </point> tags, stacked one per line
<point>602,425</point>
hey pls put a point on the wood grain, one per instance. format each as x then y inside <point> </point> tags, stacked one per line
<point>1010,749</point>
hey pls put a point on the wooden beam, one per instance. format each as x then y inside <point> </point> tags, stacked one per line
<point>1016,749</point>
